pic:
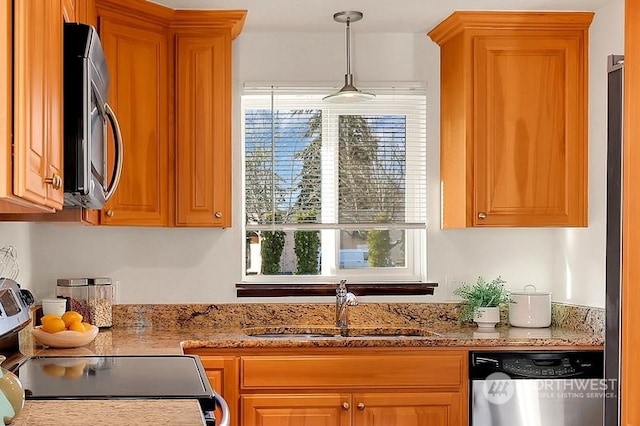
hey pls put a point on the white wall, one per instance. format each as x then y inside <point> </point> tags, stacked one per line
<point>202,265</point>
<point>17,235</point>
<point>580,268</point>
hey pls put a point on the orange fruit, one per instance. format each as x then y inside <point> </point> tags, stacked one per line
<point>77,326</point>
<point>87,326</point>
<point>47,318</point>
<point>53,325</point>
<point>71,317</point>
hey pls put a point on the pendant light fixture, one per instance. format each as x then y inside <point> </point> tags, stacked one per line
<point>349,93</point>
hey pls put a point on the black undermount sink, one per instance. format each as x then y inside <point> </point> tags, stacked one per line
<point>288,332</point>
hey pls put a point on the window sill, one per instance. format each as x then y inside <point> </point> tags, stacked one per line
<point>359,289</point>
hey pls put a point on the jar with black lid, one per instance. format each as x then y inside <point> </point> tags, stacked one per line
<point>76,291</point>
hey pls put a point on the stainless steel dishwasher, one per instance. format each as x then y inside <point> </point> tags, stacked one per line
<point>537,388</point>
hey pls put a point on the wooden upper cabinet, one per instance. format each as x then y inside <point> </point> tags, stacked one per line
<point>70,10</point>
<point>514,118</point>
<point>86,12</point>
<point>203,145</point>
<point>138,93</point>
<point>37,102</point>
<point>177,156</point>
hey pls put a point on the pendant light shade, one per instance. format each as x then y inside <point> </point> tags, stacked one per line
<point>349,93</point>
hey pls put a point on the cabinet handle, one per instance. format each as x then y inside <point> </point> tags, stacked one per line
<point>345,405</point>
<point>218,215</point>
<point>110,213</point>
<point>55,181</point>
<point>482,215</point>
<point>360,405</point>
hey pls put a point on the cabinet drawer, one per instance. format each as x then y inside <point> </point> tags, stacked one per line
<point>331,371</point>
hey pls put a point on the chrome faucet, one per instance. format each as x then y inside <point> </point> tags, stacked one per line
<point>344,299</point>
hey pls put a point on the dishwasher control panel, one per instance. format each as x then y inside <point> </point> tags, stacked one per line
<point>537,364</point>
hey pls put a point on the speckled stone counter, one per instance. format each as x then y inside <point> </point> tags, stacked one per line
<point>111,412</point>
<point>167,329</point>
<point>148,340</point>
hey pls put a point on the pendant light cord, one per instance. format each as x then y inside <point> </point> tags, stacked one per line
<point>348,46</point>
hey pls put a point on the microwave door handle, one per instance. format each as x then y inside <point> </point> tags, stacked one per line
<point>119,151</point>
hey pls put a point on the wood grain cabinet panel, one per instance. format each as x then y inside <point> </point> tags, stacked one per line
<point>37,102</point>
<point>322,371</point>
<point>299,410</point>
<point>137,60</point>
<point>514,118</point>
<point>367,387</point>
<point>70,10</point>
<point>404,408</point>
<point>203,145</point>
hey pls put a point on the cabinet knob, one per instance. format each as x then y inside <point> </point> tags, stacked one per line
<point>345,405</point>
<point>218,215</point>
<point>482,215</point>
<point>360,405</point>
<point>110,213</point>
<point>55,181</point>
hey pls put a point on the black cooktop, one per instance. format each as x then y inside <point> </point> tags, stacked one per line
<point>118,376</point>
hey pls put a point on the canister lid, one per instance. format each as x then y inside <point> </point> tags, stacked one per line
<point>529,290</point>
<point>72,282</point>
<point>99,281</point>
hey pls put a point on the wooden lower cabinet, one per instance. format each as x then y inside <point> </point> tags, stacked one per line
<point>332,409</point>
<point>407,409</point>
<point>354,386</point>
<point>361,409</point>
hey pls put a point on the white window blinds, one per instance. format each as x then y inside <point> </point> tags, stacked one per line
<point>313,165</point>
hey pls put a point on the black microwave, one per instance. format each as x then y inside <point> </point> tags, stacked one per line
<point>87,117</point>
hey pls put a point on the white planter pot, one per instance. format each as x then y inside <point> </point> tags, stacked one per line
<point>487,318</point>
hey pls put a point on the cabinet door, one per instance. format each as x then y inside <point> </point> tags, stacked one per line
<point>86,12</point>
<point>203,145</point>
<point>299,410</point>
<point>408,409</point>
<point>37,127</point>
<point>137,60</point>
<point>70,10</point>
<point>222,373</point>
<point>531,149</point>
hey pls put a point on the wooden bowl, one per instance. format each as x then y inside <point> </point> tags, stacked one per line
<point>65,339</point>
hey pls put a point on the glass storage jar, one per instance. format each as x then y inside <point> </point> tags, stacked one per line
<point>76,291</point>
<point>100,302</point>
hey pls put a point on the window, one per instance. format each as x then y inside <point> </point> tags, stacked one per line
<point>334,190</point>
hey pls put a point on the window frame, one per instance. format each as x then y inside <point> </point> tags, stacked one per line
<point>415,269</point>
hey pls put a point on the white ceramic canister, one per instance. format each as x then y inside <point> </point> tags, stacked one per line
<point>530,308</point>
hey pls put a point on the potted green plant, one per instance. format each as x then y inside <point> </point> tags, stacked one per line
<point>482,301</point>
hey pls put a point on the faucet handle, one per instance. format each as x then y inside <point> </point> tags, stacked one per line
<point>341,290</point>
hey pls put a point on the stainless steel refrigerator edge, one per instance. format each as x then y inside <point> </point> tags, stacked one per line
<point>615,79</point>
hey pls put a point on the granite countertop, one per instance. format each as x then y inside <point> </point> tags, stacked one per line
<point>110,412</point>
<point>149,341</point>
<point>167,329</point>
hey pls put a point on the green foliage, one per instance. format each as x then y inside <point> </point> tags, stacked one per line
<point>380,245</point>
<point>271,246</point>
<point>307,246</point>
<point>271,251</point>
<point>482,294</point>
